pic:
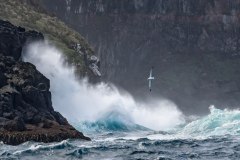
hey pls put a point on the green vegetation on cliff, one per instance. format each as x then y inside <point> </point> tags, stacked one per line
<point>26,14</point>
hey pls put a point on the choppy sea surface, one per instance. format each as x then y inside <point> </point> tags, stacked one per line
<point>215,136</point>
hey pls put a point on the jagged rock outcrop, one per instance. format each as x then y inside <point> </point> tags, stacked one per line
<point>91,61</point>
<point>26,112</point>
<point>13,38</point>
<point>193,44</point>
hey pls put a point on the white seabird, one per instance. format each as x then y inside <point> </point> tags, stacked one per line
<point>150,79</point>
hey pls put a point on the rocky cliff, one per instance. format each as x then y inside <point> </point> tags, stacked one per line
<point>28,14</point>
<point>193,44</point>
<point>26,112</point>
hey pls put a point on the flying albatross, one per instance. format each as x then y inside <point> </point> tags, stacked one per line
<point>150,79</point>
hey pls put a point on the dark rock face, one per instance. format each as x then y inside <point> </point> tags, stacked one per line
<point>14,38</point>
<point>194,46</point>
<point>26,111</point>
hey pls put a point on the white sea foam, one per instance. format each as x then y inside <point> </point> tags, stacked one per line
<point>80,101</point>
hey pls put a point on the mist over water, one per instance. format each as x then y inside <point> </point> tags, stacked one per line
<point>80,101</point>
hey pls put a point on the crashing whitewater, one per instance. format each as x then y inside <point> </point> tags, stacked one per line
<point>103,107</point>
<point>80,101</point>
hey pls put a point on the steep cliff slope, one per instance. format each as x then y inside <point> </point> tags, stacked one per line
<point>28,14</point>
<point>194,46</point>
<point>26,112</point>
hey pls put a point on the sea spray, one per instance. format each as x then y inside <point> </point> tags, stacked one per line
<point>217,123</point>
<point>80,101</point>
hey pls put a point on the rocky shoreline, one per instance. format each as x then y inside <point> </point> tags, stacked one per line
<point>26,111</point>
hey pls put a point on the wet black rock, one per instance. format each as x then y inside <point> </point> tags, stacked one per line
<point>26,111</point>
<point>13,38</point>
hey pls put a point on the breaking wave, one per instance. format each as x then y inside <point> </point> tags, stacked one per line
<point>217,123</point>
<point>81,102</point>
<point>103,107</point>
<point>111,122</point>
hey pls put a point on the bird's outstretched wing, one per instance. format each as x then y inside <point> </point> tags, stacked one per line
<point>150,79</point>
<point>151,72</point>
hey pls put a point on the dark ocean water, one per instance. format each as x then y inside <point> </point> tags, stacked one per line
<point>213,137</point>
<point>225,147</point>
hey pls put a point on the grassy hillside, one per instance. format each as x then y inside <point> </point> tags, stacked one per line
<point>26,14</point>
